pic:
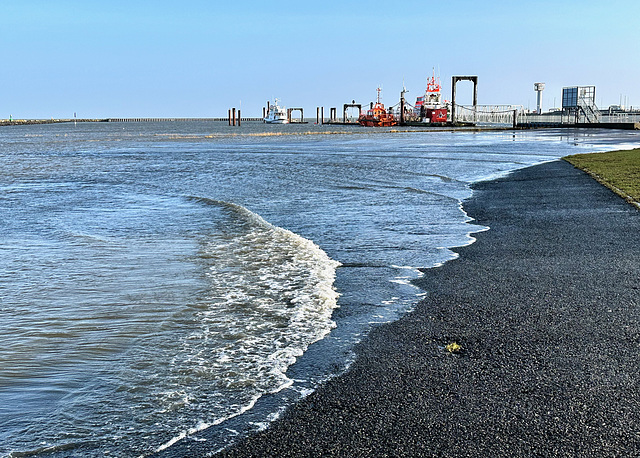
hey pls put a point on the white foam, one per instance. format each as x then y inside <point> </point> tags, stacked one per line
<point>199,427</point>
<point>270,296</point>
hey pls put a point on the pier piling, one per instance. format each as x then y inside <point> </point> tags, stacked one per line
<point>454,81</point>
<point>291,110</point>
<point>353,104</point>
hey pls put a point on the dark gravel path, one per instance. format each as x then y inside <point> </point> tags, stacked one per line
<point>546,306</point>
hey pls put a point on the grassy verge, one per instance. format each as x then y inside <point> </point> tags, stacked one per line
<point>617,170</point>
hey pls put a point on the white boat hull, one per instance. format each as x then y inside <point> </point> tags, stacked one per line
<point>276,115</point>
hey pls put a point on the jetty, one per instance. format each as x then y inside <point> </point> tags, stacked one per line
<point>26,122</point>
<point>179,119</point>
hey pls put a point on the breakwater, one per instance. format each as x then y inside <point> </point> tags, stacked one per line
<point>175,119</point>
<point>25,122</point>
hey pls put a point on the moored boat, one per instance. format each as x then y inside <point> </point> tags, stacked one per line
<point>377,116</point>
<point>430,108</point>
<point>277,114</point>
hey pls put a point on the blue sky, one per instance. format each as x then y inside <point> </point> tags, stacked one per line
<point>198,58</point>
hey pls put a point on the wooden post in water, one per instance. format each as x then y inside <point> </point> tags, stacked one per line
<point>263,114</point>
<point>317,115</point>
<point>229,116</point>
<point>321,115</point>
<point>239,118</point>
<point>515,118</point>
<point>233,117</point>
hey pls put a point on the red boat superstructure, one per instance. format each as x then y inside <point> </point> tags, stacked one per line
<point>430,107</point>
<point>377,116</point>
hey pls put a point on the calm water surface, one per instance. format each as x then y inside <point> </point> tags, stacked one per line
<point>160,279</point>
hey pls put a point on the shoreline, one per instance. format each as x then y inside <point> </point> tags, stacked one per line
<point>30,122</point>
<point>546,308</point>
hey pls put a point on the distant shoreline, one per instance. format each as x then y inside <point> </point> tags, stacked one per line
<point>395,129</point>
<point>26,122</point>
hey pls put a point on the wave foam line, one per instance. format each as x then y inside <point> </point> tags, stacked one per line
<point>270,296</point>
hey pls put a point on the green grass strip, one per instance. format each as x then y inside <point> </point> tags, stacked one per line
<point>617,170</point>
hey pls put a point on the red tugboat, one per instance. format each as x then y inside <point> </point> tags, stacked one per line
<point>377,116</point>
<point>430,108</point>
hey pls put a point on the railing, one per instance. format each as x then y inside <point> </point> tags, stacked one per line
<point>567,118</point>
<point>622,117</point>
<point>547,118</point>
<point>504,114</point>
<point>490,114</point>
<point>589,109</point>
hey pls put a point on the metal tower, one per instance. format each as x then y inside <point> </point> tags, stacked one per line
<point>538,87</point>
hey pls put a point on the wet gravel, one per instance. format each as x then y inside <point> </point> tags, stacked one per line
<point>546,309</point>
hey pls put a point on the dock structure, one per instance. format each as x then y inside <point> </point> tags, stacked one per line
<point>290,112</point>
<point>581,125</point>
<point>158,119</point>
<point>333,115</point>
<point>226,119</point>
<point>346,106</point>
<point>579,110</point>
<point>454,81</point>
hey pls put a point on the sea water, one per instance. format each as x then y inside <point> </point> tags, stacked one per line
<point>160,280</point>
